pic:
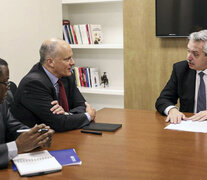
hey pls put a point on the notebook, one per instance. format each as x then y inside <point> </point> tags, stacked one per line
<point>102,126</point>
<point>36,163</point>
<point>66,157</point>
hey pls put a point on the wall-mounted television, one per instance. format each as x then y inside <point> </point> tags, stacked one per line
<point>178,18</point>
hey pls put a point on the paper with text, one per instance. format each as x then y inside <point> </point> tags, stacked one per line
<point>192,126</point>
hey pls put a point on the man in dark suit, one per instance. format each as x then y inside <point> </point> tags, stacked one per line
<point>41,86</point>
<point>12,142</point>
<point>184,83</point>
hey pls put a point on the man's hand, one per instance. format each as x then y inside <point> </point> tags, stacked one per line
<point>201,116</point>
<point>90,111</point>
<point>175,116</point>
<point>30,140</point>
<point>57,109</point>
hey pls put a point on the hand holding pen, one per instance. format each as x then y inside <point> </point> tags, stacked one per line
<point>34,138</point>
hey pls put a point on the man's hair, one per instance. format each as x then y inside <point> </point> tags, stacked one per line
<point>2,63</point>
<point>200,36</point>
<point>48,50</point>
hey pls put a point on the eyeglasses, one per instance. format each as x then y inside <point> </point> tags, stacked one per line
<point>7,84</point>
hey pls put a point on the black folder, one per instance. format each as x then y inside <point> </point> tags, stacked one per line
<point>102,127</point>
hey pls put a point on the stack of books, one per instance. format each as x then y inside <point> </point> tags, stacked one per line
<point>86,77</point>
<point>82,33</point>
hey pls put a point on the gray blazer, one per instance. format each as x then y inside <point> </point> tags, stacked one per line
<point>8,127</point>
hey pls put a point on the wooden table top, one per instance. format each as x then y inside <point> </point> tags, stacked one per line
<point>141,149</point>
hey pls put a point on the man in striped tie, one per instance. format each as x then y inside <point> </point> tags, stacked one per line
<point>187,83</point>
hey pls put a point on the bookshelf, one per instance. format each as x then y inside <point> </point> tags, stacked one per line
<point>108,56</point>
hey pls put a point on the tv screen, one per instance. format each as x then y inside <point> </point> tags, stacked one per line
<point>178,18</point>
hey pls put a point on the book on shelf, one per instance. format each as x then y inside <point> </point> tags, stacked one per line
<point>77,32</point>
<point>88,34</point>
<point>65,31</point>
<point>76,71</point>
<point>82,33</point>
<point>81,77</point>
<point>94,78</point>
<point>74,35</point>
<point>96,33</point>
<point>65,35</point>
<point>87,77</point>
<point>70,34</point>
<point>36,163</point>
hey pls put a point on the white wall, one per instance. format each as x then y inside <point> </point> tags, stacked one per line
<point>24,24</point>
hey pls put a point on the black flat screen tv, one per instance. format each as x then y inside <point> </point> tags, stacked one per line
<point>178,18</point>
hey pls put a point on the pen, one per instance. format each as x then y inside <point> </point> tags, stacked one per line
<point>43,130</point>
<point>91,132</point>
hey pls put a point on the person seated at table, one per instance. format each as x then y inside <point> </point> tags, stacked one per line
<point>11,142</point>
<point>51,80</point>
<point>187,83</point>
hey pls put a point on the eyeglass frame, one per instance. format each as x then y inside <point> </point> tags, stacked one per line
<point>7,84</point>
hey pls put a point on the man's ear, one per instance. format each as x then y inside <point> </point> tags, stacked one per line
<point>50,62</point>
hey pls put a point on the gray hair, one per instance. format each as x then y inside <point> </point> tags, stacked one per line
<point>48,50</point>
<point>200,36</point>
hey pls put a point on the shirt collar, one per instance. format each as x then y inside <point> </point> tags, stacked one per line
<point>204,71</point>
<point>52,77</point>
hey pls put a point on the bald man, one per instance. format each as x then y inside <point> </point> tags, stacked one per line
<point>38,97</point>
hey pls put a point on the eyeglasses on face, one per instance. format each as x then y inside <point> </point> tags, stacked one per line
<point>7,84</point>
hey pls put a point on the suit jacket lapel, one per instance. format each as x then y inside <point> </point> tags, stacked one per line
<point>189,90</point>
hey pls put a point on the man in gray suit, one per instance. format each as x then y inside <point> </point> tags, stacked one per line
<point>11,142</point>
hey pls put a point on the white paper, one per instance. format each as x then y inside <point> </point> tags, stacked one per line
<point>192,126</point>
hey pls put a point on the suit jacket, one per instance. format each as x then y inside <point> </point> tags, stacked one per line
<point>180,86</point>
<point>32,102</point>
<point>8,127</point>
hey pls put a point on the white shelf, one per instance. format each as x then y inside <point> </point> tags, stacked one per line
<point>102,91</point>
<point>87,1</point>
<point>96,46</point>
<point>106,57</point>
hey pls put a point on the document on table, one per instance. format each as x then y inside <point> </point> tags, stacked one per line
<point>192,126</point>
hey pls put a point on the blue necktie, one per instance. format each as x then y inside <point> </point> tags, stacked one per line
<point>201,101</point>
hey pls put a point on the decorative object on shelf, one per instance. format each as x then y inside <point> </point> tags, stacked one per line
<point>104,80</point>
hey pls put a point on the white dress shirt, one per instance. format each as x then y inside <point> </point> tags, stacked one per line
<point>12,150</point>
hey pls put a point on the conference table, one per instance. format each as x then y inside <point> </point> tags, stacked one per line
<point>140,149</point>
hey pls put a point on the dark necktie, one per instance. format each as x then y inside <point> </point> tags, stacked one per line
<point>62,96</point>
<point>201,101</point>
